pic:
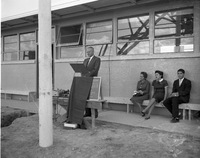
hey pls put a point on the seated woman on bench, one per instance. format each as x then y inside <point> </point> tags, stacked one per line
<point>142,92</point>
<point>160,93</point>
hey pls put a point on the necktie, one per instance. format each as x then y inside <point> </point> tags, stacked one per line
<point>89,62</point>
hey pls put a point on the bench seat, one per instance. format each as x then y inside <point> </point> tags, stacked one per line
<point>31,96</point>
<point>189,107</point>
<point>125,100</point>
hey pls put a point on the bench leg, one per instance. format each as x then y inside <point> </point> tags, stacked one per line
<point>183,114</point>
<point>127,108</point>
<point>189,114</point>
<point>93,117</point>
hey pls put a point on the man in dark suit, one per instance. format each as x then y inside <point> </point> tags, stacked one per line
<point>180,94</point>
<point>92,64</point>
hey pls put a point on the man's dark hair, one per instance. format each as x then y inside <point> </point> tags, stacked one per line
<point>181,70</point>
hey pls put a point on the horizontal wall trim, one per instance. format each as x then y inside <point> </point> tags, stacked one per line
<point>17,62</point>
<point>116,58</point>
<point>137,57</point>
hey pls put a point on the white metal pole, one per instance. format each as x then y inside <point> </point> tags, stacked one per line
<point>45,75</point>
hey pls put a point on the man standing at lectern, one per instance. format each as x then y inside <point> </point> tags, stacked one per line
<point>92,64</point>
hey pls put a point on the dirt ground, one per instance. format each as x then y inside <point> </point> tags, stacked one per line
<point>108,140</point>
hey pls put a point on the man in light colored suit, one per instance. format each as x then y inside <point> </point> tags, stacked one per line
<point>180,94</point>
<point>92,64</point>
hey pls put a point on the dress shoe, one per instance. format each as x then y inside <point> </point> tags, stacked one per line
<point>143,114</point>
<point>147,117</point>
<point>87,115</point>
<point>175,120</point>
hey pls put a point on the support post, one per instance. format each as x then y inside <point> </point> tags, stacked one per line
<point>45,75</point>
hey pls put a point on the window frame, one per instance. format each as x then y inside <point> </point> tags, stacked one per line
<point>28,50</point>
<point>174,36</point>
<point>58,44</point>
<point>9,52</point>
<point>136,40</point>
<point>104,45</point>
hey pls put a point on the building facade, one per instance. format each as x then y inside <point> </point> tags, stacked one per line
<point>128,36</point>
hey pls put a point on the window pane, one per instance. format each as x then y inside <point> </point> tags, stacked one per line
<point>98,38</point>
<point>137,47</point>
<point>27,55</point>
<point>10,47</point>
<point>187,45</point>
<point>27,36</point>
<point>174,23</point>
<point>71,52</point>
<point>99,33</point>
<point>10,39</point>
<point>29,45</point>
<point>71,35</point>
<point>134,28</point>
<point>169,45</point>
<point>103,49</point>
<point>11,56</point>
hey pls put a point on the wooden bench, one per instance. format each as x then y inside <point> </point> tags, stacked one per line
<point>8,94</point>
<point>93,104</point>
<point>125,100</point>
<point>189,107</point>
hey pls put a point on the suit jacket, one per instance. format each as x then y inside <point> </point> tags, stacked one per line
<point>183,90</point>
<point>92,67</point>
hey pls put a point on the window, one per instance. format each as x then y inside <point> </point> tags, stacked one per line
<point>19,47</point>
<point>27,46</point>
<point>10,44</point>
<point>71,35</point>
<point>174,31</point>
<point>133,35</point>
<point>70,41</point>
<point>99,35</point>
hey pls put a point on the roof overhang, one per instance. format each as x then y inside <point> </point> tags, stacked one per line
<point>61,9</point>
<point>12,9</point>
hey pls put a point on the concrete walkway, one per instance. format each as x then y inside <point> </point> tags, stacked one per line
<point>155,122</point>
<point>132,119</point>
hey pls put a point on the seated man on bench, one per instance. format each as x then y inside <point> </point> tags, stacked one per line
<point>180,94</point>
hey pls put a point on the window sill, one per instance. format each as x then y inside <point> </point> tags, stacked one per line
<point>137,57</point>
<point>17,62</point>
<point>69,60</point>
<point>152,56</point>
